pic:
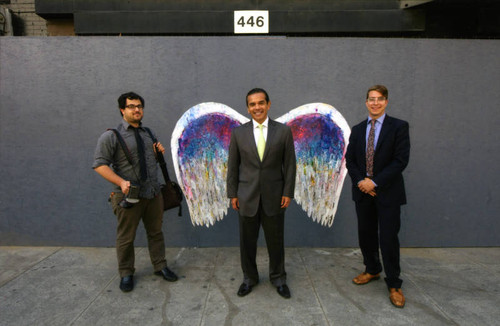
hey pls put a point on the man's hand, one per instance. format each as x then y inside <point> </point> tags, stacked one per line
<point>158,146</point>
<point>285,201</point>
<point>125,186</point>
<point>107,173</point>
<point>235,203</point>
<point>367,186</point>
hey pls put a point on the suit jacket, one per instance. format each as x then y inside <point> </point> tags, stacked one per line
<point>392,153</point>
<point>251,180</point>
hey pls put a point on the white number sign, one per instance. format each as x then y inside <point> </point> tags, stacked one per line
<point>251,22</point>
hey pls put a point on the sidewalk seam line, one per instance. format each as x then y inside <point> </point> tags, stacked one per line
<point>97,296</point>
<point>314,288</point>
<point>208,291</point>
<point>31,266</point>
<point>409,278</point>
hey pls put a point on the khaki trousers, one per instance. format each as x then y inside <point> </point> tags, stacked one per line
<point>150,211</point>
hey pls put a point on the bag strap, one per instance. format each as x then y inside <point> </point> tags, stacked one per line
<point>124,146</point>
<point>159,156</point>
<point>163,165</point>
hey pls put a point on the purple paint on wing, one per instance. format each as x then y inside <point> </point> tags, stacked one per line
<point>208,136</point>
<point>317,135</point>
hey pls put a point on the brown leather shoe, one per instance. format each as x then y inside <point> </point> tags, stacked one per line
<point>397,297</point>
<point>364,278</point>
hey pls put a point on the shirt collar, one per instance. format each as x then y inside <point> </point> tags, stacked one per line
<point>265,123</point>
<point>127,125</point>
<point>381,119</point>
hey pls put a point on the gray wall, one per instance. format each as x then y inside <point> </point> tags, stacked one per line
<point>57,95</point>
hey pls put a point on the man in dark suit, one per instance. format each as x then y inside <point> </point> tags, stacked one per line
<point>260,184</point>
<point>377,154</point>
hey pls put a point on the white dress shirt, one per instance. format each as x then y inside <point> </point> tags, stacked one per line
<point>256,130</point>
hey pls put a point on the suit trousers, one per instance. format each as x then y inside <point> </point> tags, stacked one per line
<point>380,224</point>
<point>273,227</point>
<point>150,211</point>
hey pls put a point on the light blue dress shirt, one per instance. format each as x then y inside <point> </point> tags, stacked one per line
<point>378,127</point>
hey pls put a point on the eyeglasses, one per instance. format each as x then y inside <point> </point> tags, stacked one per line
<point>376,99</point>
<point>133,107</point>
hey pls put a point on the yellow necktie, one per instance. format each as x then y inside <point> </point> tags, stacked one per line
<point>261,142</point>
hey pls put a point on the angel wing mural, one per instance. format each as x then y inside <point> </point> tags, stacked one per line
<point>320,135</point>
<point>200,144</point>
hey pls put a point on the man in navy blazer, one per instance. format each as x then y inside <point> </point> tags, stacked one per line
<point>379,192</point>
<point>261,184</point>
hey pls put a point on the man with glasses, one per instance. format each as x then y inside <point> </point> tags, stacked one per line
<point>134,169</point>
<point>377,154</point>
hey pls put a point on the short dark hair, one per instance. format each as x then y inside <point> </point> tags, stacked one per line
<point>122,100</point>
<point>379,88</point>
<point>255,91</point>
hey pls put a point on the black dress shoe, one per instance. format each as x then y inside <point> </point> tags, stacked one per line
<point>127,283</point>
<point>167,274</point>
<point>244,289</point>
<point>284,291</point>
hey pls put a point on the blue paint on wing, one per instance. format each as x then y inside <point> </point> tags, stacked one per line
<point>207,137</point>
<point>316,135</point>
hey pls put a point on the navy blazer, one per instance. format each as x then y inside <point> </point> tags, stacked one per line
<point>251,180</point>
<point>391,158</point>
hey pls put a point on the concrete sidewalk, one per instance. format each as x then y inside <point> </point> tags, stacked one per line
<point>79,286</point>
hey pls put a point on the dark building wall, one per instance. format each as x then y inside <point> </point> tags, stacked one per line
<point>360,18</point>
<point>57,95</point>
